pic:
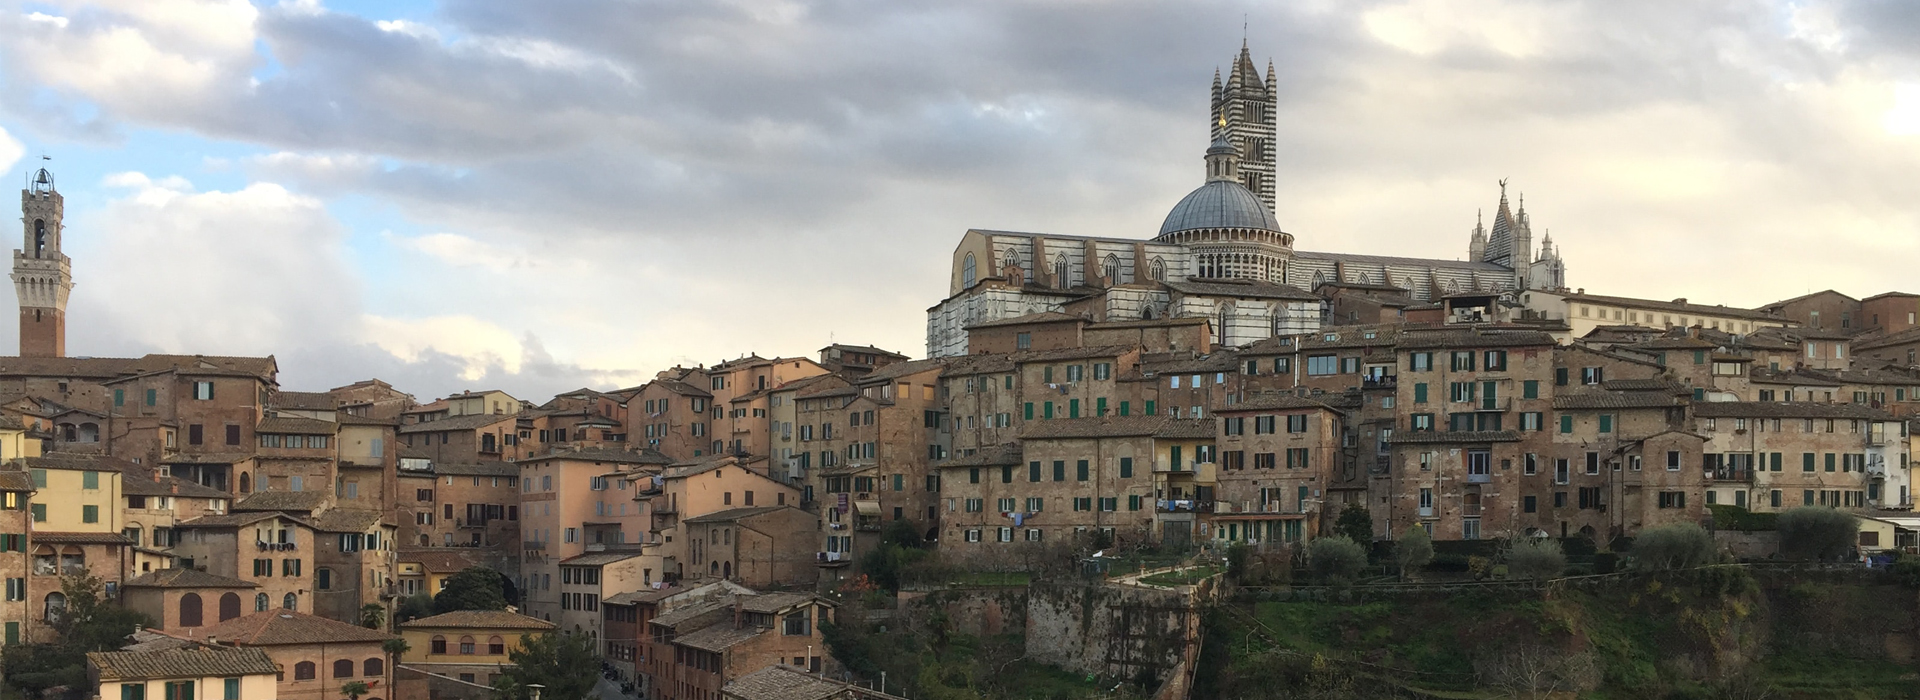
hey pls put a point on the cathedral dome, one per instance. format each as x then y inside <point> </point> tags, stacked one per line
<point>1220,204</point>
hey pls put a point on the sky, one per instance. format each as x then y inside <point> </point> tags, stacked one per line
<point>543,196</point>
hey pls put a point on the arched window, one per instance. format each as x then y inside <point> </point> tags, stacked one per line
<point>1158,270</point>
<point>424,541</point>
<point>1060,270</point>
<point>246,483</point>
<point>303,671</point>
<point>56,605</point>
<point>969,271</point>
<point>290,602</point>
<point>496,646</point>
<point>343,668</point>
<point>726,570</point>
<point>375,666</point>
<point>190,610</point>
<point>1111,269</point>
<point>466,645</point>
<point>1013,258</point>
<point>1364,279</point>
<point>69,433</point>
<point>439,645</point>
<point>46,562</point>
<point>73,560</point>
<point>39,237</point>
<point>229,606</point>
<point>260,602</point>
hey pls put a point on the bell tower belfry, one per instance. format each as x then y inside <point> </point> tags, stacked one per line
<point>42,275</point>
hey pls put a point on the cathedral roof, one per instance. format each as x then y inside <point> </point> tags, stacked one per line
<point>1220,204</point>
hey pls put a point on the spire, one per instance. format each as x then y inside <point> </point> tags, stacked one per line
<point>1500,240</point>
<point>1223,160</point>
<point>1270,80</point>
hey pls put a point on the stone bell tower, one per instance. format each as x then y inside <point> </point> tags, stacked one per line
<point>42,275</point>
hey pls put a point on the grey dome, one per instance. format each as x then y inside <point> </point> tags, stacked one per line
<point>1220,204</point>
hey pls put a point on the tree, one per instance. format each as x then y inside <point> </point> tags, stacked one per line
<point>1413,550</point>
<point>1335,559</point>
<point>395,648</point>
<point>1535,558</point>
<point>373,616</point>
<point>89,623</point>
<point>1813,532</point>
<point>475,588</point>
<point>413,607</point>
<point>1535,671</point>
<point>560,661</point>
<point>1677,546</point>
<point>1355,523</point>
<point>354,690</point>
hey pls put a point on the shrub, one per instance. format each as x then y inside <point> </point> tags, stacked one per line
<point>1414,550</point>
<point>1813,532</point>
<point>1670,547</point>
<point>1237,555</point>
<point>1907,571</point>
<point>1335,559</point>
<point>1355,523</point>
<point>1536,558</point>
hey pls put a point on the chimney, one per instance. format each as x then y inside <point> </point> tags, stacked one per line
<point>213,640</point>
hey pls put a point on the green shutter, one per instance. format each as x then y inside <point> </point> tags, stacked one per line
<point>1606,424</point>
<point>13,633</point>
<point>1149,408</point>
<point>1566,424</point>
<point>1133,503</point>
<point>1530,389</point>
<point>1126,469</point>
<point>1776,466</point>
<point>233,689</point>
<point>1080,470</point>
<point>1126,408</point>
<point>90,480</point>
<point>39,478</point>
<point>1049,410</point>
<point>1559,376</point>
<point>1806,461</point>
<point>1059,470</point>
<point>1174,453</point>
<point>1033,472</point>
<point>91,514</point>
<point>1100,406</point>
<point>153,397</point>
<point>973,475</point>
<point>1420,392</point>
<point>899,482</point>
<point>119,397</point>
<point>1029,410</point>
<point>1829,461</point>
<point>1699,357</point>
<point>1073,408</point>
<point>39,512</point>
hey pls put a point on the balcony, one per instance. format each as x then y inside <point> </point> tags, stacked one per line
<point>1481,478</point>
<point>1183,506</point>
<point>274,546</point>
<point>1426,511</point>
<point>533,546</point>
<point>1470,510</point>
<point>1384,382</point>
<point>1729,474</point>
<point>1876,471</point>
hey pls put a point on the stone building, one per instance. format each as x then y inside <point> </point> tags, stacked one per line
<point>471,645</point>
<point>315,655</point>
<point>42,275</point>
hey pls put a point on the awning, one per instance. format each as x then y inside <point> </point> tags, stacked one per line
<point>867,507</point>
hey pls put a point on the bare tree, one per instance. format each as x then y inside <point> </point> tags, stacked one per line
<point>1537,671</point>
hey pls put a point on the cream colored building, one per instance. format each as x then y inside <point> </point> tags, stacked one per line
<point>470,645</point>
<point>1584,312</point>
<point>194,671</point>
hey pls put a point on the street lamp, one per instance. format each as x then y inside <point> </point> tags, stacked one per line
<point>535,688</point>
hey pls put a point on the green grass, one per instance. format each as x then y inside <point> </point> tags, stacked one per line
<point>1837,676</point>
<point>1182,577</point>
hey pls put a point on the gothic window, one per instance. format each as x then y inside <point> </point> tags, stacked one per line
<point>260,602</point>
<point>1158,270</point>
<point>1060,278</point>
<point>1146,312</point>
<point>246,483</point>
<point>968,272</point>
<point>1319,278</point>
<point>1111,268</point>
<point>1013,258</point>
<point>290,602</point>
<point>1220,324</point>
<point>56,604</point>
<point>1364,279</point>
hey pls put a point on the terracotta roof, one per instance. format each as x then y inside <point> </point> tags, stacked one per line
<point>77,462</point>
<point>186,578</point>
<point>1643,385</point>
<point>16,481</point>
<point>195,662</point>
<point>1765,376</point>
<point>1769,409</point>
<point>1248,289</point>
<point>598,558</point>
<point>687,613</point>
<point>1677,306</point>
<point>774,602</point>
<point>301,501</point>
<point>1473,338</point>
<point>782,682</point>
<point>1607,399</point>
<point>81,538</point>
<point>598,454</point>
<point>208,458</point>
<point>444,560</point>
<point>302,400</point>
<point>136,485</point>
<point>477,469</point>
<point>1041,317</point>
<point>1274,402</point>
<point>684,389</point>
<point>1117,426</point>
<point>733,514</point>
<point>473,422</point>
<point>481,619</point>
<point>232,519</point>
<point>296,426</point>
<point>1421,437</point>
<point>864,348</point>
<point>341,520</point>
<point>719,637</point>
<point>902,369</point>
<point>278,627</point>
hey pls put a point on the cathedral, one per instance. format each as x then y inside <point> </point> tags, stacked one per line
<point>1220,254</point>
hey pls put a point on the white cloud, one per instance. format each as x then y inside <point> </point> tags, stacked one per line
<point>10,151</point>
<point>463,252</point>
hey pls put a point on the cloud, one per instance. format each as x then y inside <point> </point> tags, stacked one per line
<point>629,185</point>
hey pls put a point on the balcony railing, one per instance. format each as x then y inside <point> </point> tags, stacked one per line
<point>1426,511</point>
<point>1481,478</point>
<point>1729,474</point>
<point>1470,510</point>
<point>274,546</point>
<point>534,546</point>
<point>1385,382</point>
<point>1184,506</point>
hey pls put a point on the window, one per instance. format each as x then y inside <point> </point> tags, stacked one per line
<point>439,645</point>
<point>303,671</point>
<point>376,667</point>
<point>1495,360</point>
<point>343,668</point>
<point>1530,420</point>
<point>1420,362</point>
<point>1530,465</point>
<point>1462,361</point>
<point>1317,366</point>
<point>466,646</point>
<point>1592,375</point>
<point>230,689</point>
<point>203,391</point>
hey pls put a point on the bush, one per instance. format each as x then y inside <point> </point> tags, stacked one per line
<point>1726,517</point>
<point>1813,532</point>
<point>1335,559</point>
<point>1355,523</point>
<point>1536,558</point>
<point>1414,550</point>
<point>1907,571</point>
<point>1677,546</point>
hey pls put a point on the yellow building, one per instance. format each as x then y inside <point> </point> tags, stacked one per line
<point>470,645</point>
<point>14,443</point>
<point>76,493</point>
<point>194,671</point>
